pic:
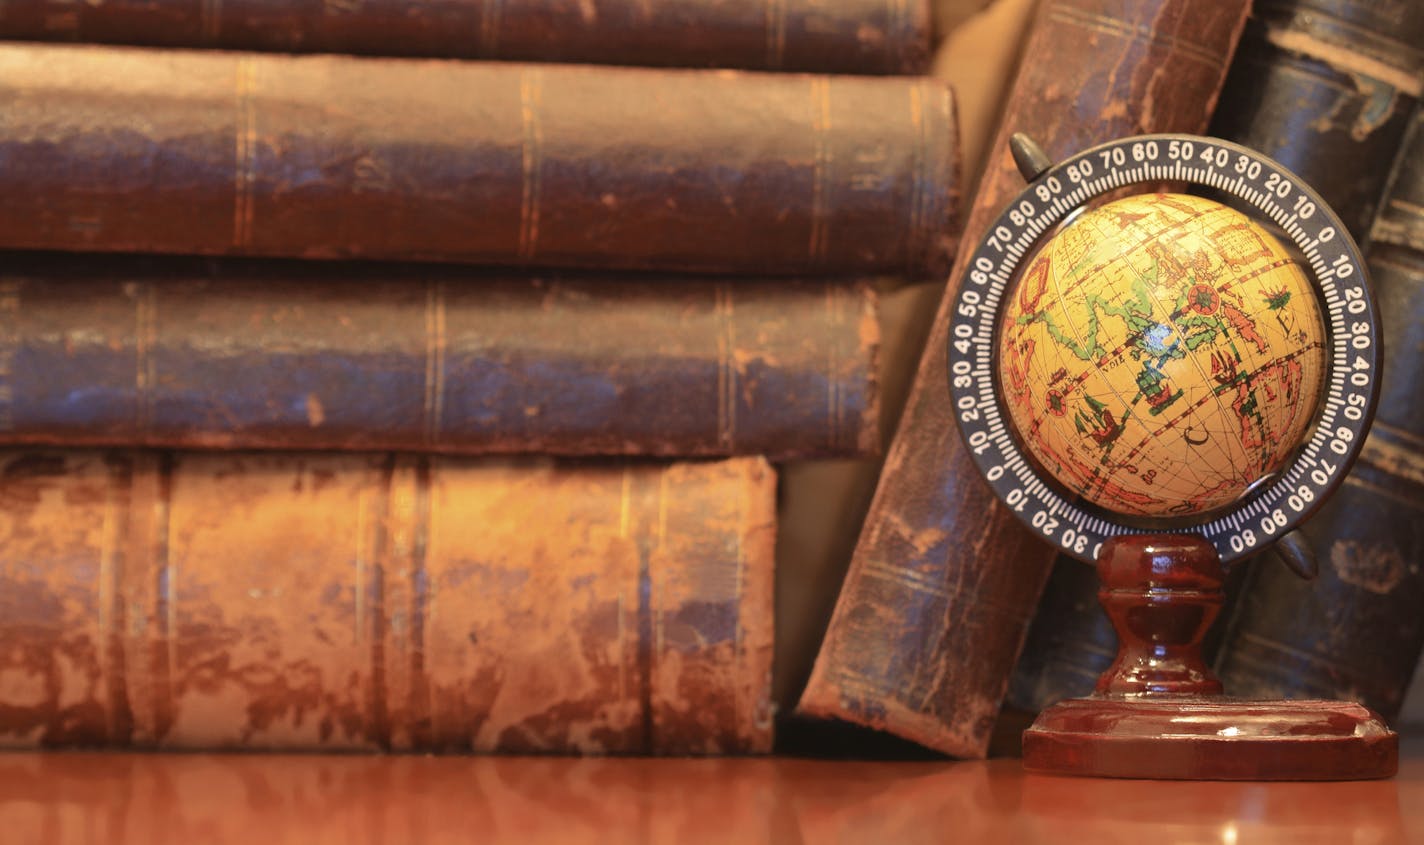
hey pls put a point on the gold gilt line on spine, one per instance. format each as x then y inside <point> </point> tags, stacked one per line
<point>145,338</point>
<point>404,601</point>
<point>365,633</point>
<point>747,511</point>
<point>531,83</point>
<point>1410,438</point>
<point>650,580</point>
<point>9,344</point>
<point>1397,460</point>
<point>245,172</point>
<point>626,654</point>
<point>385,588</point>
<point>775,34</point>
<point>413,516</point>
<point>917,231</point>
<point>211,22</point>
<point>726,369</point>
<point>1391,489</point>
<point>149,543</point>
<point>1401,224</point>
<point>435,347</point>
<point>490,14</point>
<point>1065,14</point>
<point>110,603</point>
<point>833,380</point>
<point>898,32</point>
<point>1267,644</point>
<point>821,173</point>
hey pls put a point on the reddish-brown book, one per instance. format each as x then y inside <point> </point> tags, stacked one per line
<point>381,602</point>
<point>123,351</point>
<point>943,580</point>
<point>170,151</point>
<point>847,36</point>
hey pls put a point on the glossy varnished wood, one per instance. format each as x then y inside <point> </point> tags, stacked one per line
<point>1158,711</point>
<point>272,799</point>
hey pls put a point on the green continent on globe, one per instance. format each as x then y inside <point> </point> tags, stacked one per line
<point>1161,354</point>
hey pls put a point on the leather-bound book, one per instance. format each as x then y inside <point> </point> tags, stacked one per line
<point>234,354</point>
<point>943,581</point>
<point>1357,630</point>
<point>170,151</point>
<point>848,36</point>
<point>384,602</point>
<point>1327,88</point>
<point>1069,643</point>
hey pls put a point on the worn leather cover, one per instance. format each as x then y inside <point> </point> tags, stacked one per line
<point>850,36</point>
<point>380,602</point>
<point>112,148</point>
<point>1357,630</point>
<point>1069,643</point>
<point>1327,88</point>
<point>306,355</point>
<point>943,581</point>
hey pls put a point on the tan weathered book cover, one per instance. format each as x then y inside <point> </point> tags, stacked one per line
<point>382,602</point>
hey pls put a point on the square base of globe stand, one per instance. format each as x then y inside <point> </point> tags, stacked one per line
<point>1211,738</point>
<point>1158,711</point>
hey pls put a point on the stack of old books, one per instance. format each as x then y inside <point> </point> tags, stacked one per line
<point>333,480</point>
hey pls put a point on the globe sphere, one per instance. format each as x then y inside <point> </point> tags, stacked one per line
<point>1161,354</point>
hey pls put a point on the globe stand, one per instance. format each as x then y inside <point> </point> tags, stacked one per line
<point>1158,712</point>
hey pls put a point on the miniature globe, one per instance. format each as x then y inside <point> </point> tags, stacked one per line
<point>1161,354</point>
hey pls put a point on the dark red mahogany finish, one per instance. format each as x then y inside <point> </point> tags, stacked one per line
<point>1158,711</point>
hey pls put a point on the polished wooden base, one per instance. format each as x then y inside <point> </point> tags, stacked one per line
<point>1211,738</point>
<point>1158,712</point>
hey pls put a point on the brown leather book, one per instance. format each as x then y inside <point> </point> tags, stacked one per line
<point>383,602</point>
<point>123,149</point>
<point>1327,88</point>
<point>197,353</point>
<point>943,581</point>
<point>847,36</point>
<point>1357,630</point>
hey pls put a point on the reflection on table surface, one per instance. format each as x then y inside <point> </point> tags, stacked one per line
<point>267,799</point>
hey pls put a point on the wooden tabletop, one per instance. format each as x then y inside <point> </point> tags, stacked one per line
<point>268,799</point>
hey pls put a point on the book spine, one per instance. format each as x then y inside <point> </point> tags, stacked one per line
<point>943,581</point>
<point>1069,643</point>
<point>383,602</point>
<point>124,149</point>
<point>1326,88</point>
<point>1357,630</point>
<point>848,36</point>
<point>239,355</point>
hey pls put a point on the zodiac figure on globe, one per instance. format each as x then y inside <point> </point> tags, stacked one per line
<point>1164,383</point>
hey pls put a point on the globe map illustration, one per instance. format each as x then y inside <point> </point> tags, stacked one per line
<point>1161,354</point>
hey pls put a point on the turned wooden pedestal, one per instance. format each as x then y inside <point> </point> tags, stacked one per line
<point>1158,712</point>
